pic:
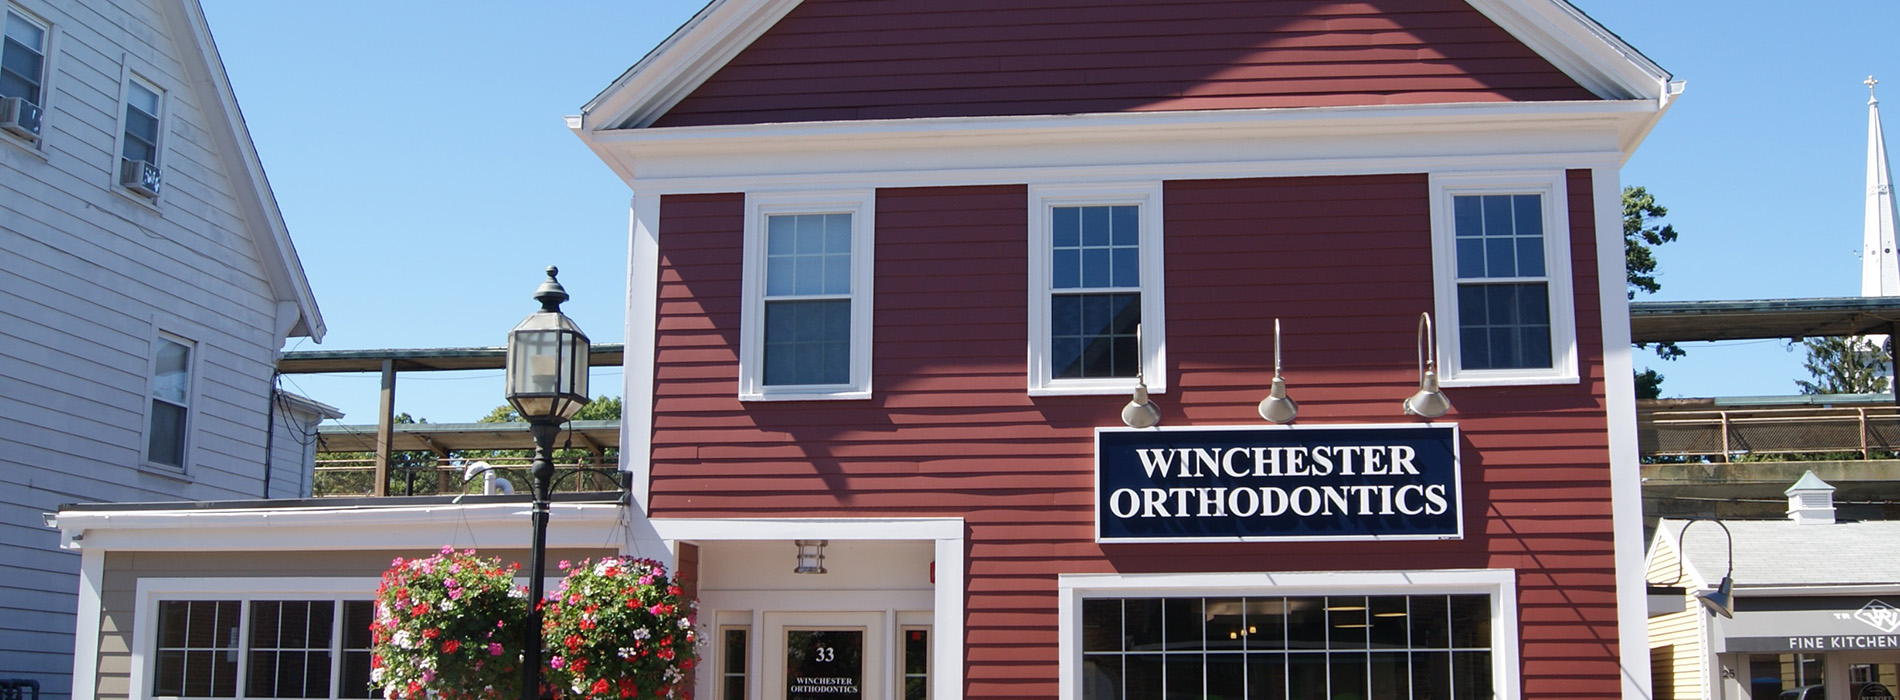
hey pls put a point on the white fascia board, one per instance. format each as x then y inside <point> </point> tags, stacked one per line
<point>426,527</point>
<point>237,155</point>
<point>1158,145</point>
<point>1597,59</point>
<point>1818,590</point>
<point>682,62</point>
<point>709,529</point>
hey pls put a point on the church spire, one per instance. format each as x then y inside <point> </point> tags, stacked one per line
<point>1880,267</point>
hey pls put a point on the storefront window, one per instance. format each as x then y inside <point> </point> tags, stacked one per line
<point>1272,648</point>
<point>1771,674</point>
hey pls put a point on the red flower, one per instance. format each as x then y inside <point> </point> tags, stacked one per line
<point>599,687</point>
<point>627,689</point>
<point>674,591</point>
<point>573,641</point>
<point>431,633</point>
<point>451,645</point>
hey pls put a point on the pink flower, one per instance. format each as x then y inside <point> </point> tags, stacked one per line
<point>494,649</point>
<point>557,662</point>
<point>565,564</point>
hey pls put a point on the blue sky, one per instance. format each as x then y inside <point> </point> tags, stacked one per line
<point>419,157</point>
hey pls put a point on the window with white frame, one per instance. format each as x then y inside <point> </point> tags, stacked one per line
<point>170,415</point>
<point>23,58</point>
<point>1447,635</point>
<point>239,648</point>
<point>807,314</point>
<point>1095,289</point>
<point>140,130</point>
<point>1504,305</point>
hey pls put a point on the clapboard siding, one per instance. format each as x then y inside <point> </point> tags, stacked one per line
<point>865,59</point>
<point>950,430</point>
<point>92,276</point>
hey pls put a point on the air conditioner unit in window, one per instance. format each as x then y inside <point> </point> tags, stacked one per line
<point>20,118</point>
<point>139,176</point>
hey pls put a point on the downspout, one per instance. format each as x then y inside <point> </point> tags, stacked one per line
<point>270,432</point>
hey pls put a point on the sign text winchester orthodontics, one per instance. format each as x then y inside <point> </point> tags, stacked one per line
<point>1277,483</point>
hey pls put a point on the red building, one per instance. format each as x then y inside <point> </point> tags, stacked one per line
<point>906,262</point>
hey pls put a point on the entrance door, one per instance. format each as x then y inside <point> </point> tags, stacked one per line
<point>824,656</point>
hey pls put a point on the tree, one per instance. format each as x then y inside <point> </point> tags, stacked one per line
<point>410,473</point>
<point>601,408</point>
<point>1846,365</point>
<point>1642,228</point>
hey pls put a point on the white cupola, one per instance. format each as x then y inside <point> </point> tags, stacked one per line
<point>1811,501</point>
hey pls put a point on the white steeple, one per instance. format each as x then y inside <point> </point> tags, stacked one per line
<point>1879,267</point>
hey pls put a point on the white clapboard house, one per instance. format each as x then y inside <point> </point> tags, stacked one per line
<point>147,284</point>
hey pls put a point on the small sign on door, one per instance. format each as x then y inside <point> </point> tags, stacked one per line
<point>824,664</point>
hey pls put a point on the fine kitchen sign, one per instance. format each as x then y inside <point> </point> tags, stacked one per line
<point>1277,484</point>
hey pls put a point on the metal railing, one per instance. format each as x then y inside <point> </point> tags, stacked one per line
<point>1726,433</point>
<point>427,474</point>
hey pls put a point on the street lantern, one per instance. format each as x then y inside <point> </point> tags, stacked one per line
<point>547,384</point>
<point>547,360</point>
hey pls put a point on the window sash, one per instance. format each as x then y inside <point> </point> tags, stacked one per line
<point>250,645</point>
<point>23,58</point>
<point>143,113</point>
<point>169,421</point>
<point>806,322</point>
<point>1505,308</point>
<point>1095,275</point>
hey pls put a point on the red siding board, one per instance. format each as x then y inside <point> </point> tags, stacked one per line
<point>845,59</point>
<point>949,430</point>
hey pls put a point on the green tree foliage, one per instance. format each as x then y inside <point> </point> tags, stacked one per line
<point>601,408</point>
<point>410,473</point>
<point>1846,365</point>
<point>1642,228</point>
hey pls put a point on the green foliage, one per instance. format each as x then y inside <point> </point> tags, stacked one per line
<point>1642,228</point>
<point>1845,365</point>
<point>601,408</point>
<point>410,473</point>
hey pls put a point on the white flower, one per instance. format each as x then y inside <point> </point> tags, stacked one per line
<point>447,605</point>
<point>376,675</point>
<point>685,623</point>
<point>402,639</point>
<point>517,592</point>
<point>641,633</point>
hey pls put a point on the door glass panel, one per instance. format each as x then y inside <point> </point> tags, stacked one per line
<point>824,664</point>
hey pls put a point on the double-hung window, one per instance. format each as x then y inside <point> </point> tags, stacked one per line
<point>170,414</point>
<point>23,72</point>
<point>140,130</point>
<point>1095,289</point>
<point>1504,310</point>
<point>807,314</point>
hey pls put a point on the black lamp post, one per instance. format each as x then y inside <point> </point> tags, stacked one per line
<point>547,384</point>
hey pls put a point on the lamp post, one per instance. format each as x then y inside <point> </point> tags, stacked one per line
<point>547,384</point>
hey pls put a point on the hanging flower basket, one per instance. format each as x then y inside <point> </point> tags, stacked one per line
<point>618,628</point>
<point>449,625</point>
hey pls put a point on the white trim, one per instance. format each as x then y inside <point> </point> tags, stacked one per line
<point>1500,584</point>
<point>293,528</point>
<point>92,571</point>
<point>1584,50</point>
<point>1550,185</point>
<point>1043,199</point>
<point>861,206</point>
<point>1120,146</point>
<point>1626,488</point>
<point>643,313</point>
<point>245,589</point>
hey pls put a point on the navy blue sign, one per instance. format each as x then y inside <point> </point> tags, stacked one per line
<point>1325,483</point>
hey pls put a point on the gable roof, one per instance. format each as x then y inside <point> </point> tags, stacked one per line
<point>257,205</point>
<point>1592,57</point>
<point>1783,553</point>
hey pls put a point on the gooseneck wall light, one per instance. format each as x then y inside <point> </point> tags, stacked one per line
<point>1277,407</point>
<point>1140,412</point>
<point>1429,402</point>
<point>1720,601</point>
<point>546,380</point>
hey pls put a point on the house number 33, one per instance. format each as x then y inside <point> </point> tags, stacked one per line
<point>826,654</point>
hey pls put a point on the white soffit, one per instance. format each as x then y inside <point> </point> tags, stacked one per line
<point>1593,56</point>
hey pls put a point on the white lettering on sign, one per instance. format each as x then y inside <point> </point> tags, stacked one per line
<point>1879,615</point>
<point>845,686</point>
<point>1320,460</point>
<point>1269,501</point>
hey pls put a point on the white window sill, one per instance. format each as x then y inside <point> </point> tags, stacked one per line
<point>177,474</point>
<point>1480,379</point>
<point>816,395</point>
<point>1092,389</point>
